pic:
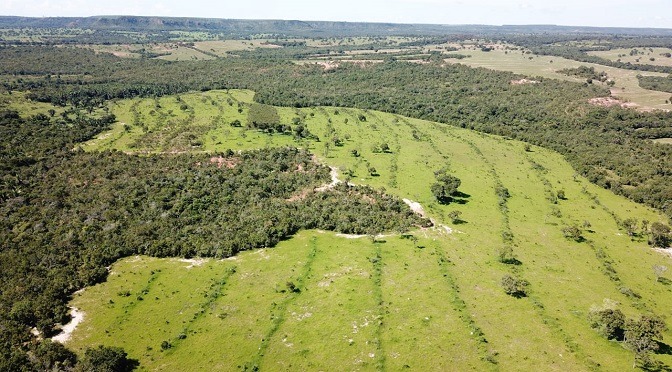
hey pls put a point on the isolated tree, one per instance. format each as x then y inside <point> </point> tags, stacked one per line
<point>630,226</point>
<point>505,255</point>
<point>514,286</point>
<point>572,232</point>
<point>455,216</point>
<point>445,187</point>
<point>561,195</point>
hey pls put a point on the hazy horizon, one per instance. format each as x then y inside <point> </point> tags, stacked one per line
<point>600,13</point>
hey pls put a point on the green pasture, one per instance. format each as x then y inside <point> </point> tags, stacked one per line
<point>431,300</point>
<point>626,88</point>
<point>17,101</point>
<point>639,55</point>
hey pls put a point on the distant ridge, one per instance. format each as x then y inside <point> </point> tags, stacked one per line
<point>304,28</point>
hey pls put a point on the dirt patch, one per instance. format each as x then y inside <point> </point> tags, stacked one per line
<point>523,82</point>
<point>221,161</point>
<point>610,101</point>
<point>66,330</point>
<point>416,207</point>
<point>334,181</point>
<point>193,262</point>
<point>300,196</point>
<point>328,65</point>
<point>665,251</point>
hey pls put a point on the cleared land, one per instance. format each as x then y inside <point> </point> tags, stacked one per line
<point>641,56</point>
<point>431,304</point>
<point>627,86</point>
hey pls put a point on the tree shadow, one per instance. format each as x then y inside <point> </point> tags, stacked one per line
<point>461,195</point>
<point>131,365</point>
<point>512,261</point>
<point>459,222</point>
<point>663,348</point>
<point>664,281</point>
<point>656,366</point>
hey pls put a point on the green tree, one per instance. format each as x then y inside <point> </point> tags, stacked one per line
<point>106,359</point>
<point>445,187</point>
<point>641,336</point>
<point>455,216</point>
<point>609,323</point>
<point>573,232</point>
<point>630,226</point>
<point>515,287</point>
<point>659,235</point>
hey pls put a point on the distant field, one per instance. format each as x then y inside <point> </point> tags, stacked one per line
<point>431,304</point>
<point>639,56</point>
<point>626,88</point>
<point>222,47</point>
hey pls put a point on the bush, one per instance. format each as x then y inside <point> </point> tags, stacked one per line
<point>515,287</point>
<point>609,323</point>
<point>572,232</point>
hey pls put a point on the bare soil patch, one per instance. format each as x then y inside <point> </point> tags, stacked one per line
<point>523,82</point>
<point>610,102</point>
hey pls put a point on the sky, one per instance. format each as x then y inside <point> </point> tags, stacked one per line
<point>600,13</point>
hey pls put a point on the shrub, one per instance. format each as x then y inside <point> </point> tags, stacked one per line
<point>515,287</point>
<point>609,323</point>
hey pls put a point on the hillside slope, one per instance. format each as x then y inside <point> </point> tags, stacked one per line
<point>430,301</point>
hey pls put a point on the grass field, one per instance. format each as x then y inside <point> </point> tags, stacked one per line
<point>626,88</point>
<point>642,56</point>
<point>431,304</point>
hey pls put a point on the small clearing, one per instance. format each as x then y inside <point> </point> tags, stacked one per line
<point>666,141</point>
<point>416,207</point>
<point>193,262</point>
<point>328,65</point>
<point>523,82</point>
<point>610,101</point>
<point>66,330</point>
<point>221,161</point>
<point>334,181</point>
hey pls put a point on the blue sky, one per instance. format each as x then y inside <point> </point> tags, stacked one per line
<point>624,13</point>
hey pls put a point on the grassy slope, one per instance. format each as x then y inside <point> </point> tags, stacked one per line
<point>435,307</point>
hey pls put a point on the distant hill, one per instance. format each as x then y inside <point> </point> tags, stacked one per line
<point>304,28</point>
